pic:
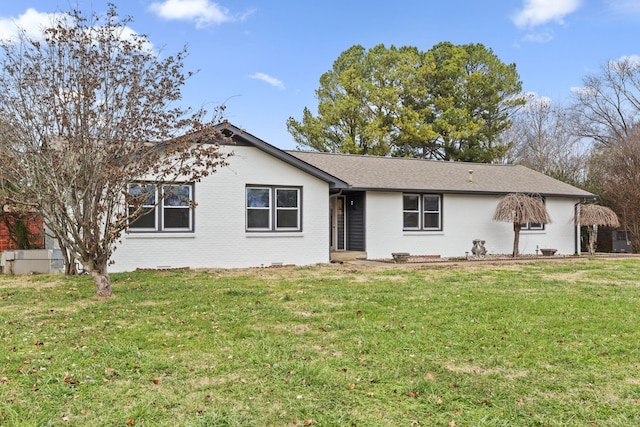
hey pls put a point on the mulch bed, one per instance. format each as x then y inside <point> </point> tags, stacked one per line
<point>417,259</point>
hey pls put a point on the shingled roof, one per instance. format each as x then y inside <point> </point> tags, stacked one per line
<point>401,174</point>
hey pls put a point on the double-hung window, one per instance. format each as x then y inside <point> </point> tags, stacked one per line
<point>271,208</point>
<point>422,212</point>
<point>173,213</point>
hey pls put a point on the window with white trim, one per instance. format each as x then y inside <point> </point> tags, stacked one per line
<point>271,208</point>
<point>422,212</point>
<point>533,226</point>
<point>174,212</point>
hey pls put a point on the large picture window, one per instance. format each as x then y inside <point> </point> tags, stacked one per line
<point>273,208</point>
<point>173,213</point>
<point>422,212</point>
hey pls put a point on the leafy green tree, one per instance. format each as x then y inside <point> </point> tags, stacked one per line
<point>448,103</point>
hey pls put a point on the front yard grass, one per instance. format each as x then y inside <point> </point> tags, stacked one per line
<point>546,343</point>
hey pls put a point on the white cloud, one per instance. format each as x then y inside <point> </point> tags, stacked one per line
<point>624,7</point>
<point>540,37</point>
<point>203,12</point>
<point>539,12</point>
<point>268,79</point>
<point>32,22</point>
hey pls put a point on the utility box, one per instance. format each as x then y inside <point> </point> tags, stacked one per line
<point>31,261</point>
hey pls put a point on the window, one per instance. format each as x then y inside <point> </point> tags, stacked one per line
<point>533,226</point>
<point>273,209</point>
<point>422,212</point>
<point>173,213</point>
<point>148,219</point>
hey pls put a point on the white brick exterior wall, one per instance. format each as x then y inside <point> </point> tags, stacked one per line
<point>465,218</point>
<point>220,239</point>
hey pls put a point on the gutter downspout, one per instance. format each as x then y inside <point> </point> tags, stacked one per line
<point>576,231</point>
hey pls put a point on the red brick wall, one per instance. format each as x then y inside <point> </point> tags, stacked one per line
<point>5,241</point>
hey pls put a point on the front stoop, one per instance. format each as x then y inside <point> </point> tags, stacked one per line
<point>339,256</point>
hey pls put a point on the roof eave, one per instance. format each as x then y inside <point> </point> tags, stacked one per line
<point>468,192</point>
<point>279,154</point>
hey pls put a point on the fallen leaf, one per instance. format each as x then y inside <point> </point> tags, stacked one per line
<point>452,423</point>
<point>429,376</point>
<point>352,386</point>
<point>130,422</point>
<point>110,371</point>
<point>156,380</point>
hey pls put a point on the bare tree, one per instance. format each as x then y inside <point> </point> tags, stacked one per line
<point>90,107</point>
<point>520,209</point>
<point>591,216</point>
<point>617,169</point>
<point>608,103</point>
<point>542,137</point>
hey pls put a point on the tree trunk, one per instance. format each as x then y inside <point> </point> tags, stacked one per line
<point>70,268</point>
<point>103,284</point>
<point>101,278</point>
<point>516,238</point>
<point>592,239</point>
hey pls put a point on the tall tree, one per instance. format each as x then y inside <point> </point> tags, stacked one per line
<point>608,103</point>
<point>542,137</point>
<point>89,108</point>
<point>617,169</point>
<point>359,101</point>
<point>448,103</point>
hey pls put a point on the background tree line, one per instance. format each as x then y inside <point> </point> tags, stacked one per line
<point>460,102</point>
<point>89,106</point>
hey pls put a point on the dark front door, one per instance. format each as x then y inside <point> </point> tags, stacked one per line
<point>355,215</point>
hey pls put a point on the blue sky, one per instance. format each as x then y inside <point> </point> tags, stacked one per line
<point>264,58</point>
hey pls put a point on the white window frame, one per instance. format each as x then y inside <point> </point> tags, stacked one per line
<point>438,212</point>
<point>267,208</point>
<point>188,207</point>
<point>277,209</point>
<point>273,208</point>
<point>411,211</point>
<point>422,211</point>
<point>529,226</point>
<point>159,207</point>
<point>145,207</point>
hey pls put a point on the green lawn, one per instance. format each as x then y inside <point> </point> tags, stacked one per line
<point>548,343</point>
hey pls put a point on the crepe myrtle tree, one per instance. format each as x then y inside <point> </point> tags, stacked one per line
<point>521,209</point>
<point>88,108</point>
